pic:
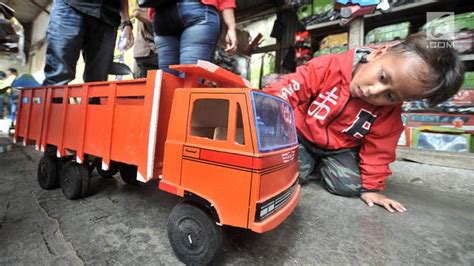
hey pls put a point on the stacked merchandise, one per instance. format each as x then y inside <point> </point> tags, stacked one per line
<point>239,62</point>
<point>236,63</point>
<point>314,11</point>
<point>447,127</point>
<point>438,131</point>
<point>302,44</point>
<point>335,43</point>
<point>463,30</point>
<point>450,125</point>
<point>387,34</point>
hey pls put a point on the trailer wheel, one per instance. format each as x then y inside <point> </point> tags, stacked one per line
<point>129,173</point>
<point>193,234</point>
<point>47,172</point>
<point>113,169</point>
<point>74,180</point>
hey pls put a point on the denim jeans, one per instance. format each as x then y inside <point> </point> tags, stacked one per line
<point>70,31</point>
<point>185,32</point>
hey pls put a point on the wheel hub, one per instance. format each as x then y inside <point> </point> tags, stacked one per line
<point>191,235</point>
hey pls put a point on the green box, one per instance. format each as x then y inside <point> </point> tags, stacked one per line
<point>324,51</point>
<point>388,33</point>
<point>468,81</point>
<point>451,140</point>
<point>305,11</point>
<point>463,21</point>
<point>338,49</point>
<point>322,6</point>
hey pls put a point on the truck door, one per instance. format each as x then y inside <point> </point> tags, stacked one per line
<point>217,155</point>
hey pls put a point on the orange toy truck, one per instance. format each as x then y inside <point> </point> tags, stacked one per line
<point>228,150</point>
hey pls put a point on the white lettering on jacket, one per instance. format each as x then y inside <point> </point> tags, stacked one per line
<point>320,109</point>
<point>290,89</point>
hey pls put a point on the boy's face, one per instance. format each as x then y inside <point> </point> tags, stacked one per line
<point>387,79</point>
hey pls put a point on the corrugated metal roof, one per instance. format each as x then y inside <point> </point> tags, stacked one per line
<point>27,10</point>
<point>250,9</point>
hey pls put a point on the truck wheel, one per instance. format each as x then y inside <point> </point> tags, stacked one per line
<point>74,180</point>
<point>47,172</point>
<point>129,174</point>
<point>113,169</point>
<point>193,234</point>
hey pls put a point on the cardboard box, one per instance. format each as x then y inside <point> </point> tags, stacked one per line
<point>449,140</point>
<point>388,33</point>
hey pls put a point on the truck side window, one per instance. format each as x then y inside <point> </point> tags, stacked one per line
<point>239,128</point>
<point>210,119</point>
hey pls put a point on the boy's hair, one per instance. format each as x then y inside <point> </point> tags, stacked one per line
<point>445,74</point>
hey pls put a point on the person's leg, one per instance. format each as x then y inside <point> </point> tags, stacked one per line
<point>340,173</point>
<point>202,29</point>
<point>2,112</point>
<point>306,164</point>
<point>65,37</point>
<point>98,51</point>
<point>12,99</point>
<point>168,52</point>
<point>167,26</point>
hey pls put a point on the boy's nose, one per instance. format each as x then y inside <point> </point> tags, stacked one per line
<point>375,90</point>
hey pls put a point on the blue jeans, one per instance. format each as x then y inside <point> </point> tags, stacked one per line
<point>12,101</point>
<point>69,32</point>
<point>185,32</point>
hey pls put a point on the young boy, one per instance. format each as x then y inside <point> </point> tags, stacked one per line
<point>348,110</point>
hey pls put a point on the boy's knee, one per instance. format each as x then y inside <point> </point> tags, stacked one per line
<point>305,163</point>
<point>341,189</point>
<point>341,180</point>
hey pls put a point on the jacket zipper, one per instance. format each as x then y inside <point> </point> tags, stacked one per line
<point>332,120</point>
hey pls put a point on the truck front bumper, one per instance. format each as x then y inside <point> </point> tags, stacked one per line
<point>279,214</point>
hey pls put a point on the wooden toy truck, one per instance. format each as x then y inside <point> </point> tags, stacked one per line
<point>229,151</point>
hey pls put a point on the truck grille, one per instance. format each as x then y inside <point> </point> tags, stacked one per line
<point>265,209</point>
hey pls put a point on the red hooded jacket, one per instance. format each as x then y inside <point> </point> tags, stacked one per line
<point>327,116</point>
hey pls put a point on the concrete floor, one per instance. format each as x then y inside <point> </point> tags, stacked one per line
<point>120,224</point>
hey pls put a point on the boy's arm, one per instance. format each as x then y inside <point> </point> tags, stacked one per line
<point>297,88</point>
<point>376,153</point>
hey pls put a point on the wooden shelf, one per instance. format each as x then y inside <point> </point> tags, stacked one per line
<point>395,11</point>
<point>323,25</point>
<point>423,4</point>
<point>467,57</point>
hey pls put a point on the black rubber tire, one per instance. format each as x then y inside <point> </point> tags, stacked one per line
<point>48,172</point>
<point>129,173</point>
<point>113,170</point>
<point>193,234</point>
<point>91,164</point>
<point>74,180</point>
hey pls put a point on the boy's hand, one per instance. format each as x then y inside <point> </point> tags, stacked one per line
<point>372,198</point>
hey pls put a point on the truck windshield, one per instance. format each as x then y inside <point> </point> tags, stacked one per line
<point>275,122</point>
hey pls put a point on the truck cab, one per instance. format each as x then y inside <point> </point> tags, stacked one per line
<point>234,153</point>
<point>236,150</point>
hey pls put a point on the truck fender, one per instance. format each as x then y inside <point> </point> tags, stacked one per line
<point>201,202</point>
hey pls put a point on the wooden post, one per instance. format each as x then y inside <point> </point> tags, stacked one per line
<point>356,33</point>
